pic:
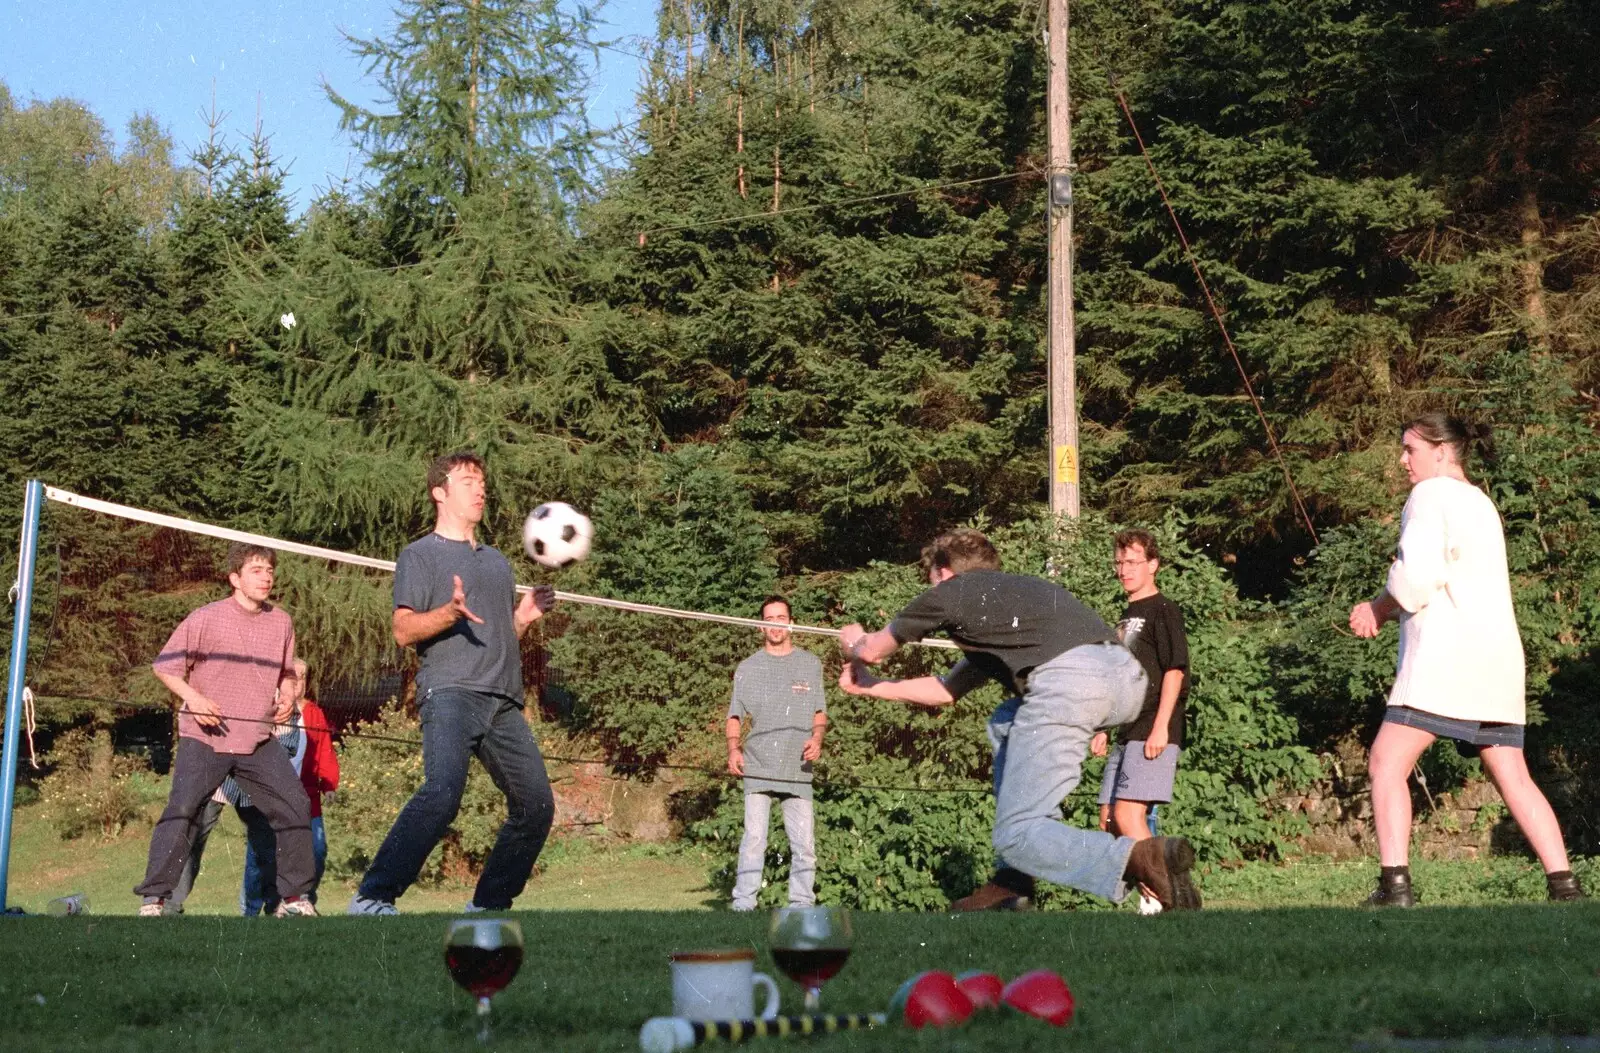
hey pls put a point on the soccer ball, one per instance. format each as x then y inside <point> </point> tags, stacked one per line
<point>557,535</point>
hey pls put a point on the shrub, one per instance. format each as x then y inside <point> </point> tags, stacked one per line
<point>684,535</point>
<point>91,790</point>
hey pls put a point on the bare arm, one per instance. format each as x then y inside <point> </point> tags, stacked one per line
<point>1367,618</point>
<point>1161,733</point>
<point>813,746</point>
<point>919,691</point>
<point>412,627</point>
<point>735,754</point>
<point>862,646</point>
<point>533,606</point>
<point>204,710</point>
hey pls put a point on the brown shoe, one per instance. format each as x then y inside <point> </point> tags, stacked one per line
<point>992,897</point>
<point>1162,865</point>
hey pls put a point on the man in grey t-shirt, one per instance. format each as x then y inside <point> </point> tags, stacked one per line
<point>455,601</point>
<point>779,690</point>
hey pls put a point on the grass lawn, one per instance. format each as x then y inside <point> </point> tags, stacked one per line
<point>1278,962</point>
<point>1288,979</point>
<point>573,875</point>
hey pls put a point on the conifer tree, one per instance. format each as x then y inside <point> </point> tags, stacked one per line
<point>482,97</point>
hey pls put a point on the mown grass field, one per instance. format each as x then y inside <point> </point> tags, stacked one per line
<point>1280,961</point>
<point>573,874</point>
<point>1290,979</point>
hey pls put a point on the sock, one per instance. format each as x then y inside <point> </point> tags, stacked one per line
<point>1399,871</point>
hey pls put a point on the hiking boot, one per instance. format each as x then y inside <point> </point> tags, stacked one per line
<point>152,908</point>
<point>1394,890</point>
<point>1162,865</point>
<point>1564,887</point>
<point>298,907</point>
<point>360,904</point>
<point>990,896</point>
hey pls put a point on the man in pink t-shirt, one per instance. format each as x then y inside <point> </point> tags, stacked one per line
<point>226,662</point>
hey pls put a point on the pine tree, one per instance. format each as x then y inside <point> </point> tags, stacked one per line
<point>875,362</point>
<point>484,98</point>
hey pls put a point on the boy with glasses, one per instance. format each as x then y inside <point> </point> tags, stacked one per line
<point>1141,769</point>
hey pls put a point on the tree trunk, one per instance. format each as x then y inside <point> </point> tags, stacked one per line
<point>739,149</point>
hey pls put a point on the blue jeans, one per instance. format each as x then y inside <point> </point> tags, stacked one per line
<point>457,725</point>
<point>259,891</point>
<point>1040,743</point>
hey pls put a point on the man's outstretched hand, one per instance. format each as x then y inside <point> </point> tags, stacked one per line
<point>458,602</point>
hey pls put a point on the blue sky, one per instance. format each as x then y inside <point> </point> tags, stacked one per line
<point>120,58</point>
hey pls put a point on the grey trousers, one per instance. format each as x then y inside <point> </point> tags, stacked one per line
<point>800,826</point>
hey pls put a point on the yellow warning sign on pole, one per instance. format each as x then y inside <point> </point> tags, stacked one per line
<point>1067,465</point>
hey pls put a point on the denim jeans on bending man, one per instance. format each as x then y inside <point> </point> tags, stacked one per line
<point>457,725</point>
<point>800,826</point>
<point>1039,754</point>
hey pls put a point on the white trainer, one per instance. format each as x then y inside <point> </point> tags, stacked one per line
<point>360,904</point>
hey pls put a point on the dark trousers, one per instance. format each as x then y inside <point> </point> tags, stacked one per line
<point>267,775</point>
<point>456,725</point>
<point>258,834</point>
<point>258,890</point>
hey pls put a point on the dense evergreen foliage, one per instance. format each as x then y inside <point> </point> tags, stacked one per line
<point>800,326</point>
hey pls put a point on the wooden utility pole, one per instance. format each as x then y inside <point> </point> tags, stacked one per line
<point>1063,368</point>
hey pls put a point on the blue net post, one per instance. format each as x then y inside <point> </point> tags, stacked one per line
<point>33,499</point>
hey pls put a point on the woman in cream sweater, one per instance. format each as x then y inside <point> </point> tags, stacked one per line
<point>1461,666</point>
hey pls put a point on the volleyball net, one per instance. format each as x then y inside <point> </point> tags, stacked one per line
<point>100,586</point>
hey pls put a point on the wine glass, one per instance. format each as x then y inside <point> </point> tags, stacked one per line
<point>483,954</point>
<point>809,945</point>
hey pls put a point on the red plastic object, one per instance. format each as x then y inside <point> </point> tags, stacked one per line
<point>1041,994</point>
<point>983,988</point>
<point>931,999</point>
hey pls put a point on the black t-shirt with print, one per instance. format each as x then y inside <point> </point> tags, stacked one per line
<point>1152,628</point>
<point>1007,623</point>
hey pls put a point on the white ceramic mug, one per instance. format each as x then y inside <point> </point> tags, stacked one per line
<point>719,985</point>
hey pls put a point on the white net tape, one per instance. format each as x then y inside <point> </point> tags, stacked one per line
<point>65,497</point>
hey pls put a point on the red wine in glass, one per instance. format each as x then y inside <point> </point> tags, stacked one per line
<point>812,967</point>
<point>484,973</point>
<point>810,944</point>
<point>483,954</point>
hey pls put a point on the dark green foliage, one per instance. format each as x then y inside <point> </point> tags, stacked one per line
<point>875,363</point>
<point>483,98</point>
<point>684,536</point>
<point>86,794</point>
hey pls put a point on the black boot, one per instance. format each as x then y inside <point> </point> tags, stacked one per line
<point>1394,889</point>
<point>1563,885</point>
